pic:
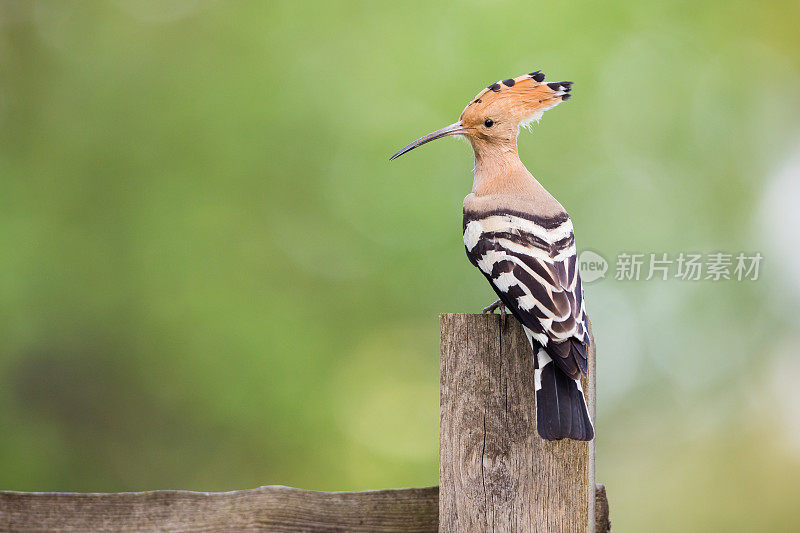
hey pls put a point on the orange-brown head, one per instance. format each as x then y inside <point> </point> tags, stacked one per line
<point>494,116</point>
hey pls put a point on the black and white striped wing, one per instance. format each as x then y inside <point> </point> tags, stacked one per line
<point>531,263</point>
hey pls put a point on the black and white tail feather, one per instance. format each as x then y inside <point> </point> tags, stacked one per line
<point>530,262</point>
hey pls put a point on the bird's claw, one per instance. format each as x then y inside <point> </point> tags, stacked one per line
<point>496,305</point>
<point>503,312</point>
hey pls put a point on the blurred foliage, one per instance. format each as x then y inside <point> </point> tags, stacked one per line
<point>212,278</point>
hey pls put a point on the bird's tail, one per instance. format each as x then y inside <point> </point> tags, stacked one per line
<point>561,411</point>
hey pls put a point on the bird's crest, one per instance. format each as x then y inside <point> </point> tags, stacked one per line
<point>523,98</point>
<point>497,112</point>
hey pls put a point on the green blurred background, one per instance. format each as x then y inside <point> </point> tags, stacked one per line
<point>211,277</point>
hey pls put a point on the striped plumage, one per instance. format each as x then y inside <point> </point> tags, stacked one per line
<point>530,262</point>
<point>522,241</point>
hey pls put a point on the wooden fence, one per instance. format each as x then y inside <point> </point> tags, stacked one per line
<point>495,473</point>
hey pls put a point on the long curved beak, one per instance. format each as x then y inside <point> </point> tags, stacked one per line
<point>452,129</point>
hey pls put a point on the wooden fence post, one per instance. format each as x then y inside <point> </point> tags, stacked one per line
<point>495,472</point>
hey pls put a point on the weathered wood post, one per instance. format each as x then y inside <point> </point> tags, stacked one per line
<point>495,472</point>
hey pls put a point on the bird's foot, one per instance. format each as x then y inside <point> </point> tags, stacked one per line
<point>503,312</point>
<point>496,305</point>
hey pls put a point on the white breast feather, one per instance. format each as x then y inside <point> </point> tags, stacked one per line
<point>472,234</point>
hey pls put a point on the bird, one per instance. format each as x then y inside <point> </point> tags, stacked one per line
<point>522,240</point>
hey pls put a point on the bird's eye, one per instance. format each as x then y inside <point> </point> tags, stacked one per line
<point>488,123</point>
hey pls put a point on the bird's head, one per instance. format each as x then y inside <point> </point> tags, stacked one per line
<point>496,113</point>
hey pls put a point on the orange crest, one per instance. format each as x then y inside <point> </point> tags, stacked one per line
<point>519,100</point>
<point>497,112</point>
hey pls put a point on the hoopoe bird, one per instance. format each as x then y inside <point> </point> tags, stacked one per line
<point>522,240</point>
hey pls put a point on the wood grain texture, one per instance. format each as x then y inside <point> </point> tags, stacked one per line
<point>602,520</point>
<point>274,508</point>
<point>280,509</point>
<point>495,472</point>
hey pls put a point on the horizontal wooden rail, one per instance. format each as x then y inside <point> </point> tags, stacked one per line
<point>274,508</point>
